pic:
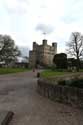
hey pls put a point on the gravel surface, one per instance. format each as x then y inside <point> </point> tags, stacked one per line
<point>18,94</point>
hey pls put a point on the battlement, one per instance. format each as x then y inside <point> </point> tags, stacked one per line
<point>44,43</point>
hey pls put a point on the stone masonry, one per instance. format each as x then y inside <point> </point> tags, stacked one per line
<point>42,54</point>
<point>59,93</point>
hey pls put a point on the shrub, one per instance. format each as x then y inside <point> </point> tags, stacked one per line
<point>77,83</point>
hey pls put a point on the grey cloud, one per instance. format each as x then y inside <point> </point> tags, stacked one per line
<point>43,28</point>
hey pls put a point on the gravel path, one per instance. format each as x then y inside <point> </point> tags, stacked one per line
<point>18,93</point>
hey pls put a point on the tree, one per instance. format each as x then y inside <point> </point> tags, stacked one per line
<point>60,60</point>
<point>8,50</point>
<point>71,62</point>
<point>75,47</point>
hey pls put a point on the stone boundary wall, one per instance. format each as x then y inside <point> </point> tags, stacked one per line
<point>69,95</point>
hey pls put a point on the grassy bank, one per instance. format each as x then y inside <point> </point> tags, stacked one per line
<point>51,73</point>
<point>74,79</point>
<point>12,70</point>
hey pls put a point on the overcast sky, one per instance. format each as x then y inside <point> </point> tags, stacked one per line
<point>27,20</point>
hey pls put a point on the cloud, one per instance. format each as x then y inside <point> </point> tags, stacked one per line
<point>72,11</point>
<point>68,19</point>
<point>43,28</point>
<point>16,6</point>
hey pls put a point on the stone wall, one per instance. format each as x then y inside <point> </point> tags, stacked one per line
<point>69,95</point>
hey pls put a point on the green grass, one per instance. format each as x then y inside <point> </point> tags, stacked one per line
<point>12,70</point>
<point>81,70</point>
<point>50,73</point>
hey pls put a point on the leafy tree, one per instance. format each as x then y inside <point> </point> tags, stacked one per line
<point>75,47</point>
<point>60,60</point>
<point>8,50</point>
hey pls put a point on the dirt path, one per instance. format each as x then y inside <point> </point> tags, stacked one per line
<point>18,93</point>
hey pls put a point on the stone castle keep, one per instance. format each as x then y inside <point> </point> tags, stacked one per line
<point>42,54</point>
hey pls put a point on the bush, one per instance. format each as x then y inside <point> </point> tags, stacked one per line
<point>62,82</point>
<point>72,83</point>
<point>77,83</point>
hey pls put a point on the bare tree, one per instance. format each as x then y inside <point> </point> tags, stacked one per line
<point>75,47</point>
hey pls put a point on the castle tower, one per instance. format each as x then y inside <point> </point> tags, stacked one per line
<point>42,54</point>
<point>44,42</point>
<point>34,45</point>
<point>54,45</point>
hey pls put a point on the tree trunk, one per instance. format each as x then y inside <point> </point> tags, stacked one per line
<point>78,64</point>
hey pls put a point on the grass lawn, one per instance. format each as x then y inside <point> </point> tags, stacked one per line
<point>55,75</point>
<point>12,70</point>
<point>51,73</point>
